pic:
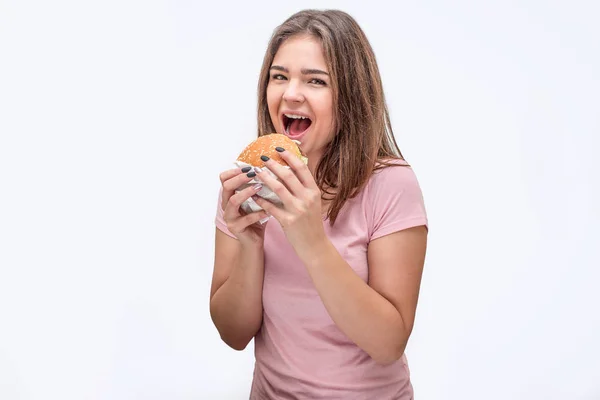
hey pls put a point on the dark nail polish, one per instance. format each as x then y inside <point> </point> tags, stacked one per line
<point>280,149</point>
<point>264,158</point>
<point>246,169</point>
<point>251,174</point>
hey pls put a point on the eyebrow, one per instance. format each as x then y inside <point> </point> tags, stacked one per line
<point>304,71</point>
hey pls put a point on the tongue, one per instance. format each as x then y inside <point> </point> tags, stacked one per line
<point>298,126</point>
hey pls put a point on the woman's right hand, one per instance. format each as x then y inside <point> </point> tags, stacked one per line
<point>243,225</point>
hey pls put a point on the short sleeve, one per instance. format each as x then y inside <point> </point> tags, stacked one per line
<point>396,201</point>
<point>219,220</point>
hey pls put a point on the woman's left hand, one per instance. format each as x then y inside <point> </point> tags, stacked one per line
<point>300,216</point>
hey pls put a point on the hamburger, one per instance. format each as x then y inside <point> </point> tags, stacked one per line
<point>250,157</point>
<point>266,145</point>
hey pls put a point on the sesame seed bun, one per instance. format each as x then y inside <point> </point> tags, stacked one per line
<point>265,146</point>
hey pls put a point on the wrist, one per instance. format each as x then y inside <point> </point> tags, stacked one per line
<point>252,247</point>
<point>251,241</point>
<point>312,252</point>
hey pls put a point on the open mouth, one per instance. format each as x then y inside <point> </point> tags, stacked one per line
<point>295,125</point>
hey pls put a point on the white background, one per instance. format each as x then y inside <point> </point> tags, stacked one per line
<point>116,118</point>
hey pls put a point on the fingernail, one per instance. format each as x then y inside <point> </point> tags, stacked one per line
<point>246,169</point>
<point>257,187</point>
<point>280,149</point>
<point>251,174</point>
<point>264,158</point>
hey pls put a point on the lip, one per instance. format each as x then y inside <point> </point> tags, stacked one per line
<point>303,114</point>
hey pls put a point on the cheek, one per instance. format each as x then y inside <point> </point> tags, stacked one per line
<point>326,111</point>
<point>269,97</point>
<point>272,104</point>
<point>272,107</point>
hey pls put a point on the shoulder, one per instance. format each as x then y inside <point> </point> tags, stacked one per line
<point>393,174</point>
<point>393,199</point>
<point>390,177</point>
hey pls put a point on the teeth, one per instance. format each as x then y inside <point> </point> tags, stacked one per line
<point>295,116</point>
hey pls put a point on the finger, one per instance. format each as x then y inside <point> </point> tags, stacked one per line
<point>230,173</point>
<point>234,179</point>
<point>244,222</point>
<point>299,168</point>
<point>231,210</point>
<point>285,175</point>
<point>276,186</point>
<point>237,181</point>
<point>270,208</point>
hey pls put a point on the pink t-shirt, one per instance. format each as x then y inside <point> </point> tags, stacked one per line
<point>300,352</point>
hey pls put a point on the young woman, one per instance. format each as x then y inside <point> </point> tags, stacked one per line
<point>328,287</point>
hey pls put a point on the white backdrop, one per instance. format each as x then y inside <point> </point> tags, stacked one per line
<point>116,118</point>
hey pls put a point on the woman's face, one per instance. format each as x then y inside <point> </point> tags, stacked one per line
<point>300,97</point>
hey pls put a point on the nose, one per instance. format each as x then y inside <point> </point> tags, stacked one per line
<point>293,93</point>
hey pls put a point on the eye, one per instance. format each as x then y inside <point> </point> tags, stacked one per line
<point>319,82</point>
<point>278,77</point>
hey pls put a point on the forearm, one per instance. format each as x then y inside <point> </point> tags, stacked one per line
<point>366,317</point>
<point>236,307</point>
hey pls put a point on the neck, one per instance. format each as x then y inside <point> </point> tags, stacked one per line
<point>313,161</point>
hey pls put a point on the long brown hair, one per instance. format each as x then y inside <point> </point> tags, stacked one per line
<point>364,140</point>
